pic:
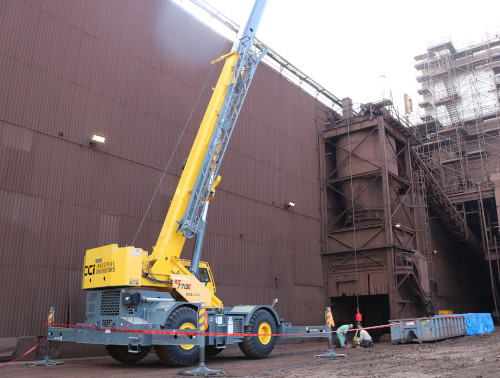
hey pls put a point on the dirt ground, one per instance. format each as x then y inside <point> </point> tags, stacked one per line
<point>467,356</point>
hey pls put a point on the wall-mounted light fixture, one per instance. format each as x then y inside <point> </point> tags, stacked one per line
<point>434,251</point>
<point>397,225</point>
<point>97,139</point>
<point>289,204</point>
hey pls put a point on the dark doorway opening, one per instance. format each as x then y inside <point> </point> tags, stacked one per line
<point>374,309</point>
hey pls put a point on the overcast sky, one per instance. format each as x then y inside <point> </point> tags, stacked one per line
<point>346,46</point>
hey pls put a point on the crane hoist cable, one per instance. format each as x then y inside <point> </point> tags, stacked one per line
<point>176,146</point>
<point>348,122</point>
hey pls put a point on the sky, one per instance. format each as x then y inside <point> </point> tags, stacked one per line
<point>365,49</point>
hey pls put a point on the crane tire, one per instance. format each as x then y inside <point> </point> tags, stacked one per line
<point>262,322</point>
<point>121,354</point>
<point>179,355</point>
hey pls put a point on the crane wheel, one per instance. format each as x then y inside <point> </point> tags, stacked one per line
<point>121,354</point>
<point>179,355</point>
<point>260,346</point>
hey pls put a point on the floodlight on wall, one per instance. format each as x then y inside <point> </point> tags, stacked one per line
<point>289,204</point>
<point>397,225</point>
<point>97,139</point>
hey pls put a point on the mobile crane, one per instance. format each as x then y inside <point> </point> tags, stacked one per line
<point>119,280</point>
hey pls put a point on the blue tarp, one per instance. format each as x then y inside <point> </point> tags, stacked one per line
<point>477,324</point>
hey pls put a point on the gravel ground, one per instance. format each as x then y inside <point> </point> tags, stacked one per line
<point>467,356</point>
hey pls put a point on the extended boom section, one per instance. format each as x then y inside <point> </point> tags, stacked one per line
<point>199,178</point>
<point>243,73</point>
<point>187,213</point>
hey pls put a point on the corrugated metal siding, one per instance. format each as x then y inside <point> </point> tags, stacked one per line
<point>132,71</point>
<point>460,283</point>
<point>369,269</point>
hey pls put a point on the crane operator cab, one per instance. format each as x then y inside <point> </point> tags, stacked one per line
<point>204,274</point>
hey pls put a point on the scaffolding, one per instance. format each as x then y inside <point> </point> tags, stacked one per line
<point>461,122</point>
<point>460,133</point>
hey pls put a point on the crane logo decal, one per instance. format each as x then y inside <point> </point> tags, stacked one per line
<point>99,268</point>
<point>182,286</point>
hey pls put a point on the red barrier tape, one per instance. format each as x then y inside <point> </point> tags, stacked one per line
<point>212,333</point>
<point>192,333</point>
<point>200,333</point>
<point>29,351</point>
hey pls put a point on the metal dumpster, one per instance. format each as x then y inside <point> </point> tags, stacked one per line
<point>427,329</point>
<point>477,323</point>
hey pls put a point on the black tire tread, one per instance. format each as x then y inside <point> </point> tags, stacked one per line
<point>251,346</point>
<point>174,355</point>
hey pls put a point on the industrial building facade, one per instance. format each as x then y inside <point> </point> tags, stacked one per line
<point>394,244</point>
<point>410,212</point>
<point>133,71</point>
<point>366,220</point>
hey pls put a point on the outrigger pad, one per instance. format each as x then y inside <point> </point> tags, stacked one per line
<point>202,371</point>
<point>45,362</point>
<point>330,353</point>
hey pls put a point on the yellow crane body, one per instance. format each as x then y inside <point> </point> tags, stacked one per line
<point>112,266</point>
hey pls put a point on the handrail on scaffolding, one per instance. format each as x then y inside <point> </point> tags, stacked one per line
<point>441,203</point>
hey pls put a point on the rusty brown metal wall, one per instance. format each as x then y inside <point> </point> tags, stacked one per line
<point>132,71</point>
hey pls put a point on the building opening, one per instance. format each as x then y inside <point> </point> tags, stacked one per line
<point>374,309</point>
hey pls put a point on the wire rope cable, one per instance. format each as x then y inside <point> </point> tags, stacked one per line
<point>176,146</point>
<point>348,122</point>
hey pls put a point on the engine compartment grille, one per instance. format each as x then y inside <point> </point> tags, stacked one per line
<point>238,325</point>
<point>110,303</point>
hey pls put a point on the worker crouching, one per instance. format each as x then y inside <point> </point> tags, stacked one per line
<point>364,340</point>
<point>341,332</point>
